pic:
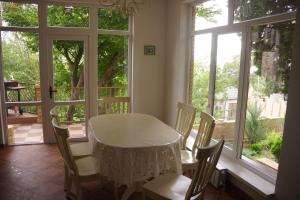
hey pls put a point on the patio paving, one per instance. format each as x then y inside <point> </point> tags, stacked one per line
<point>33,133</point>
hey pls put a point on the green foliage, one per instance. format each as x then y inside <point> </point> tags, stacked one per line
<point>69,55</point>
<point>207,12</point>
<point>257,147</point>
<point>245,10</point>
<point>19,63</point>
<point>68,16</point>
<point>270,139</point>
<point>23,15</point>
<point>112,19</point>
<point>276,147</point>
<point>248,152</point>
<point>200,88</point>
<point>254,127</point>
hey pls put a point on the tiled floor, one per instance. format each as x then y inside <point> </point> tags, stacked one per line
<point>33,133</point>
<point>35,172</point>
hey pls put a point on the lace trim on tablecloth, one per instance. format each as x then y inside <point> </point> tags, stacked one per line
<point>125,166</point>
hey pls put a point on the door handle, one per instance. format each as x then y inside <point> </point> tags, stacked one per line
<point>51,91</point>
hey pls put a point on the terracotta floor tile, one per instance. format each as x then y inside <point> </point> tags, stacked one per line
<point>35,172</point>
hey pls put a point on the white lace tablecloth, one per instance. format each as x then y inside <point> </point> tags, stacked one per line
<point>133,147</point>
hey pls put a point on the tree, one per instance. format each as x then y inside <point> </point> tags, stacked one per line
<point>246,10</point>
<point>111,53</point>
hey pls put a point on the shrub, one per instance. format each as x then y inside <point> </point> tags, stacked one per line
<point>276,147</point>
<point>257,147</point>
<point>254,127</point>
<point>270,139</point>
<point>248,152</point>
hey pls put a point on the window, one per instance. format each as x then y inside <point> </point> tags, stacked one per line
<point>26,13</point>
<point>247,9</point>
<point>68,16</point>
<point>113,58</point>
<point>240,71</point>
<point>211,14</point>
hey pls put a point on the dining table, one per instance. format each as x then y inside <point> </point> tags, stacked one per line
<point>132,148</point>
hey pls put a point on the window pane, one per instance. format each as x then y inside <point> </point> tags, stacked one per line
<point>68,70</point>
<point>112,65</point>
<point>17,14</point>
<point>251,9</point>
<point>268,88</point>
<point>21,66</point>
<point>68,16</point>
<point>226,86</point>
<point>202,50</point>
<point>211,14</point>
<point>112,20</point>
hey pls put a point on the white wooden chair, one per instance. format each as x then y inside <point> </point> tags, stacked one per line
<point>179,187</point>
<point>205,131</point>
<point>184,121</point>
<point>76,171</point>
<point>110,105</point>
<point>78,149</point>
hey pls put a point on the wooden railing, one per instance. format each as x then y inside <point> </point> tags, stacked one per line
<point>109,105</point>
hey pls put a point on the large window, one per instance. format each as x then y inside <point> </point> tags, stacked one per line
<point>75,56</point>
<point>241,65</point>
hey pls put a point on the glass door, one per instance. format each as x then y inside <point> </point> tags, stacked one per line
<point>67,82</point>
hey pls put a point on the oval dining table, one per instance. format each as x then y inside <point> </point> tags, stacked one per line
<point>132,148</point>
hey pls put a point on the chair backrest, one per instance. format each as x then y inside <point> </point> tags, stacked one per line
<point>110,105</point>
<point>62,134</point>
<point>185,120</point>
<point>205,131</point>
<point>207,160</point>
<point>53,113</point>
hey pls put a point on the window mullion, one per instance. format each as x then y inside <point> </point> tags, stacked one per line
<point>212,75</point>
<point>243,91</point>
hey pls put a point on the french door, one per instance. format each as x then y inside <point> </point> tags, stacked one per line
<point>66,77</point>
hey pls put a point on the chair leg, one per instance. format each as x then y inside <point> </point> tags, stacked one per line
<point>66,179</point>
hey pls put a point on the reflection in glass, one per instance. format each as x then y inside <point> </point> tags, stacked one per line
<point>247,10</point>
<point>212,13</point>
<point>226,86</point>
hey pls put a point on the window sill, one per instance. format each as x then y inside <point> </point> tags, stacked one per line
<point>251,183</point>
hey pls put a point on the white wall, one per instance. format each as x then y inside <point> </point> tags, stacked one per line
<point>288,178</point>
<point>149,71</point>
<point>176,63</point>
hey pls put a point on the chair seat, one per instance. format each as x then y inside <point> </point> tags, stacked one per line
<point>80,149</point>
<point>86,166</point>
<point>188,160</point>
<point>168,186</point>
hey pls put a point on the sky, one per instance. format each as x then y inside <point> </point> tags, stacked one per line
<point>229,45</point>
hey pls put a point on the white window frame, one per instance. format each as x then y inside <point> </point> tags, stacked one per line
<point>235,154</point>
<point>44,31</point>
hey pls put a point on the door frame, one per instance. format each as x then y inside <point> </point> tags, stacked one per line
<point>47,75</point>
